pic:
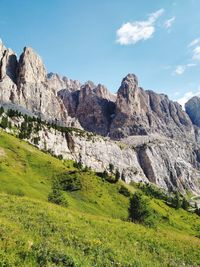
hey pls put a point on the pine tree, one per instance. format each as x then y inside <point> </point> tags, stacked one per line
<point>4,122</point>
<point>197,209</point>
<point>56,196</point>
<point>111,167</point>
<point>176,201</point>
<point>117,175</point>
<point>185,204</point>
<point>139,208</point>
<point>1,110</point>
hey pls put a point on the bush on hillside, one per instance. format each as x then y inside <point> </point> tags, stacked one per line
<point>153,191</point>
<point>176,201</point>
<point>13,113</point>
<point>111,167</point>
<point>56,196</point>
<point>117,175</point>
<point>197,209</point>
<point>1,110</point>
<point>139,210</point>
<point>108,177</point>
<point>185,204</point>
<point>78,165</point>
<point>69,181</point>
<point>124,191</point>
<point>4,123</point>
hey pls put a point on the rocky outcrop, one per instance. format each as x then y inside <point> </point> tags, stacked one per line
<point>8,75</point>
<point>140,112</point>
<point>24,85</point>
<point>167,163</point>
<point>31,68</point>
<point>192,107</point>
<point>92,105</point>
<point>33,88</point>
<point>95,108</point>
<point>57,83</point>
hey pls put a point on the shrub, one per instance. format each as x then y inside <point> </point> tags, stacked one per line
<point>123,177</point>
<point>139,209</point>
<point>12,113</point>
<point>36,140</point>
<point>185,204</point>
<point>153,191</point>
<point>117,175</point>
<point>1,110</point>
<point>26,129</point>
<point>78,165</point>
<point>197,209</point>
<point>124,191</point>
<point>86,169</point>
<point>107,177</point>
<point>68,181</point>
<point>4,122</point>
<point>56,196</point>
<point>60,157</point>
<point>111,167</point>
<point>176,201</point>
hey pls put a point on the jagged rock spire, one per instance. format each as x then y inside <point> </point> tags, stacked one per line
<point>31,67</point>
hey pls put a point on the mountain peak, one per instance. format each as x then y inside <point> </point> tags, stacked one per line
<point>130,79</point>
<point>31,67</point>
<point>192,107</point>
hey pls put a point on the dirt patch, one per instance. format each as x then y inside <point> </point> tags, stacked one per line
<point>2,152</point>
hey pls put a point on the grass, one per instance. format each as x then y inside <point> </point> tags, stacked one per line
<point>93,230</point>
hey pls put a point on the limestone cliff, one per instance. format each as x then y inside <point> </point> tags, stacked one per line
<point>147,137</point>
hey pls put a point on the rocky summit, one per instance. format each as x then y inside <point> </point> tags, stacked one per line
<point>144,135</point>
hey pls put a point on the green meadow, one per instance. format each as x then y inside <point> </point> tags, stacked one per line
<point>93,230</point>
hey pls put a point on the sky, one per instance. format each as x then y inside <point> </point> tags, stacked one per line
<point>104,40</point>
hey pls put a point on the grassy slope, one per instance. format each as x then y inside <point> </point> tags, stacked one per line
<point>90,231</point>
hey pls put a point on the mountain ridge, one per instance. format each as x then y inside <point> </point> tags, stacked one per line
<point>166,151</point>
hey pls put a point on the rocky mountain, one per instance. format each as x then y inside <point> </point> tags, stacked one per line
<point>140,112</point>
<point>192,108</point>
<point>24,85</point>
<point>146,136</point>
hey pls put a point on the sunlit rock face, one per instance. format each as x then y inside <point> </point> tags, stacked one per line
<point>140,112</point>
<point>24,85</point>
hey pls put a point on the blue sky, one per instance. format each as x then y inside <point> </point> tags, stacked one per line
<point>104,40</point>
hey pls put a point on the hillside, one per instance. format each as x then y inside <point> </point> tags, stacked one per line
<point>93,230</point>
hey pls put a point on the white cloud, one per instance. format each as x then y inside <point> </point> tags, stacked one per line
<point>196,53</point>
<point>133,32</point>
<point>154,16</point>
<point>180,69</point>
<point>194,42</point>
<point>191,65</point>
<point>187,96</point>
<point>168,23</point>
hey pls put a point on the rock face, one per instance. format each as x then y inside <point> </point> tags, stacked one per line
<point>58,83</point>
<point>168,163</point>
<point>96,103</point>
<point>32,85</point>
<point>8,75</point>
<point>92,105</point>
<point>192,108</point>
<point>148,137</point>
<point>31,68</point>
<point>24,85</point>
<point>140,112</point>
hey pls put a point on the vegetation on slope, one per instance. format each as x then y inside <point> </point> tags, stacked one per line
<point>93,230</point>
